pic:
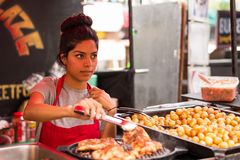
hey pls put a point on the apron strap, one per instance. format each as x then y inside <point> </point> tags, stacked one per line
<point>59,88</point>
<point>88,87</point>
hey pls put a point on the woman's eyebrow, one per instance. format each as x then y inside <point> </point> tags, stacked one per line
<point>77,51</point>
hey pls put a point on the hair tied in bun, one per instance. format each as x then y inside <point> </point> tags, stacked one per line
<point>75,21</point>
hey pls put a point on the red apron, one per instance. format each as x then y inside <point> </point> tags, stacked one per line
<point>53,136</point>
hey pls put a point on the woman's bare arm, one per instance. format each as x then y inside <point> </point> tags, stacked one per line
<point>36,110</point>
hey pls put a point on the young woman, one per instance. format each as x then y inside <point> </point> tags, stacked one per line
<point>52,101</point>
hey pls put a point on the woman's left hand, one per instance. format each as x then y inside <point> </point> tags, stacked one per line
<point>102,97</point>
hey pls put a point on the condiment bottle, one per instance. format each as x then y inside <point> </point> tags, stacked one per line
<point>31,129</point>
<point>19,126</point>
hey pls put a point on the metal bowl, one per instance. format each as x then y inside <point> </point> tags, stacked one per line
<point>30,152</point>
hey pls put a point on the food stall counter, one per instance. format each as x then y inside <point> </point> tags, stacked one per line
<point>31,151</point>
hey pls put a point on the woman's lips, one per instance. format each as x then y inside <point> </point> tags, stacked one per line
<point>87,72</point>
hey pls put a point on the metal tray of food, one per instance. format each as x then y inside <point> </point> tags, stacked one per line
<point>168,152</point>
<point>195,148</point>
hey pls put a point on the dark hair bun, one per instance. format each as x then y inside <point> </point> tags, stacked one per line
<point>75,21</point>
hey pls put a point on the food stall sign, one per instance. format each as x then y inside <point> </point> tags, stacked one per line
<point>224,29</point>
<point>29,44</point>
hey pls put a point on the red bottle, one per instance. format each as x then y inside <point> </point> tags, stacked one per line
<point>19,126</point>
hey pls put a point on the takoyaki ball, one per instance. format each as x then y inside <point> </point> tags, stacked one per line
<point>180,130</point>
<point>196,115</point>
<point>197,109</point>
<point>220,115</point>
<point>184,115</point>
<point>171,123</point>
<point>217,140</point>
<point>231,143</point>
<point>237,119</point>
<point>201,136</point>
<point>223,145</point>
<point>204,114</point>
<point>128,118</point>
<point>135,116</point>
<point>174,116</point>
<point>234,123</point>
<point>195,139</point>
<point>210,110</point>
<point>148,123</point>
<point>179,111</point>
<point>228,120</point>
<point>155,117</point>
<point>211,116</point>
<point>209,140</point>
<point>179,122</point>
<point>205,108</point>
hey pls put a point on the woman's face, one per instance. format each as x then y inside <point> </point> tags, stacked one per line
<point>81,61</point>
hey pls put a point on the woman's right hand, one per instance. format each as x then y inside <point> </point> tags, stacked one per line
<point>92,109</point>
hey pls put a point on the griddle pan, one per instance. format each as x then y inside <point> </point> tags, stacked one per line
<point>169,152</point>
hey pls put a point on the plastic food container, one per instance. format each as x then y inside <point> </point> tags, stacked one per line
<point>220,88</point>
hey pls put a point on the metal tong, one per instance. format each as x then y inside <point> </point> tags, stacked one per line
<point>134,110</point>
<point>123,123</point>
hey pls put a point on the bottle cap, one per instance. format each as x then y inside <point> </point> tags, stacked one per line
<point>18,114</point>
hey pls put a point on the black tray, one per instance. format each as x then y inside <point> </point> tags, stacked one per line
<point>169,151</point>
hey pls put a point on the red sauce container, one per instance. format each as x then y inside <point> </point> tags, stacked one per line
<point>220,88</point>
<point>19,127</point>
